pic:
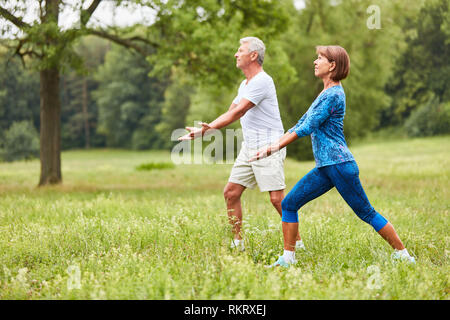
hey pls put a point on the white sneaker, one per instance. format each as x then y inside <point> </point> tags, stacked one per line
<point>299,245</point>
<point>398,255</point>
<point>237,244</point>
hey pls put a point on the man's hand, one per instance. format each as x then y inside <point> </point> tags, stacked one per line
<point>195,132</point>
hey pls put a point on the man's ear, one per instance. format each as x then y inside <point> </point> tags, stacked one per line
<point>254,56</point>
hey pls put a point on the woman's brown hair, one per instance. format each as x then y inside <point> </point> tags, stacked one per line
<point>340,58</point>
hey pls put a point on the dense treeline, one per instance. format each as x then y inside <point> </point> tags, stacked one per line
<point>121,99</point>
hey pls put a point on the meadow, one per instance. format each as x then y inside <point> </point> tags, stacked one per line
<point>111,231</point>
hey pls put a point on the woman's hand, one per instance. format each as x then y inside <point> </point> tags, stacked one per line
<point>264,153</point>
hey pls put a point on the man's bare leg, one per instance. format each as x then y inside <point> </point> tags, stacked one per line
<point>276,197</point>
<point>232,194</point>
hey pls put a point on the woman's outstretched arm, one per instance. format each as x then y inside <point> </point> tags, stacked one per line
<point>286,139</point>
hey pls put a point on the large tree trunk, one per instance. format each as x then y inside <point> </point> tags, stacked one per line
<point>50,128</point>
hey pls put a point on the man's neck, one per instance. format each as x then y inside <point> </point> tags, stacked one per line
<point>251,71</point>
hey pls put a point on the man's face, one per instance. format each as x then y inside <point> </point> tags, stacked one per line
<point>243,56</point>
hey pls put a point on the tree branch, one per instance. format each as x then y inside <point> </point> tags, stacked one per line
<point>126,42</point>
<point>18,51</point>
<point>12,18</point>
<point>85,15</point>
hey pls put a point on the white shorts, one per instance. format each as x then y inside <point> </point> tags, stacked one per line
<point>267,173</point>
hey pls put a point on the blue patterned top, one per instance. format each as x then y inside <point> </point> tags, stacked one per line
<point>324,121</point>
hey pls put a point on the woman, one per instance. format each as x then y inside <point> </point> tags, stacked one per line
<point>335,165</point>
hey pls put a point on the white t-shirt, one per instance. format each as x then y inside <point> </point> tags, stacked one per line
<point>262,124</point>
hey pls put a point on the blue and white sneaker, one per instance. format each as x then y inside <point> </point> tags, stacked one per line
<point>280,263</point>
<point>398,256</point>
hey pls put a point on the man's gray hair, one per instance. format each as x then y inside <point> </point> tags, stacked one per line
<point>255,44</point>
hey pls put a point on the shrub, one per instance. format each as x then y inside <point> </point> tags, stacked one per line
<point>21,141</point>
<point>155,165</point>
<point>432,118</point>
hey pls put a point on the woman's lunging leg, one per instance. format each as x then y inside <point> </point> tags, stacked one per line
<point>311,186</point>
<point>345,177</point>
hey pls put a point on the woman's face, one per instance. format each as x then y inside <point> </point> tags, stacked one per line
<point>322,67</point>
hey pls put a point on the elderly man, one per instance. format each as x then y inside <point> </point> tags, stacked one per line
<point>256,106</point>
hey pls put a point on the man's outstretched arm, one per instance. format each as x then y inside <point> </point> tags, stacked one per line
<point>235,112</point>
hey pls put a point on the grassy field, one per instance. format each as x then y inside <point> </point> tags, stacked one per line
<point>114,232</point>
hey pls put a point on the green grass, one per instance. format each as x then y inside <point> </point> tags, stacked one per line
<point>155,166</point>
<point>163,234</point>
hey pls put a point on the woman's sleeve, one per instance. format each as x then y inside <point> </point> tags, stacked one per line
<point>316,116</point>
<point>297,124</point>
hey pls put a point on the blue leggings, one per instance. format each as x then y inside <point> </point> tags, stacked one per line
<point>345,177</point>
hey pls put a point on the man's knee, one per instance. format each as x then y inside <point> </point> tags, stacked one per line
<point>276,198</point>
<point>232,193</point>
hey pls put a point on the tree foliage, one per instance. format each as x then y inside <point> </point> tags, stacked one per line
<point>79,115</point>
<point>21,142</point>
<point>181,68</point>
<point>201,37</point>
<point>429,119</point>
<point>185,33</point>
<point>129,102</point>
<point>19,94</point>
<point>421,74</point>
<point>175,107</point>
<point>372,52</point>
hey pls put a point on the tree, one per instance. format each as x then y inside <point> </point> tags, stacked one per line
<point>52,50</point>
<point>80,113</point>
<point>201,37</point>
<point>421,73</point>
<point>19,94</point>
<point>176,106</point>
<point>372,52</point>
<point>129,101</point>
<point>188,33</point>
